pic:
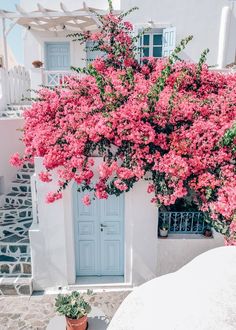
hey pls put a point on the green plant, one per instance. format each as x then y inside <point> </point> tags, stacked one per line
<point>72,305</point>
<point>164,225</point>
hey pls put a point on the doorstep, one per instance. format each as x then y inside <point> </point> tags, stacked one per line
<point>16,286</point>
<point>108,287</point>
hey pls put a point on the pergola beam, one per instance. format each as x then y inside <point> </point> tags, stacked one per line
<point>47,19</point>
<point>66,11</point>
<point>4,39</point>
<point>77,13</point>
<point>93,16</point>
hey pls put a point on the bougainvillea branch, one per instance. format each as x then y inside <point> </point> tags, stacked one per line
<point>165,120</point>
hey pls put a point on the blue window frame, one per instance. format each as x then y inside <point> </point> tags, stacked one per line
<point>151,44</point>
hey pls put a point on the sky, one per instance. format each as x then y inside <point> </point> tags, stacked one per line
<point>14,38</point>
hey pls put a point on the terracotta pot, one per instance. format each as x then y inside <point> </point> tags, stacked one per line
<point>76,324</point>
<point>37,64</point>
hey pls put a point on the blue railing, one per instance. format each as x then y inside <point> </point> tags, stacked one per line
<point>183,222</point>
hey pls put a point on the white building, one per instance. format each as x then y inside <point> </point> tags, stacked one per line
<point>113,241</point>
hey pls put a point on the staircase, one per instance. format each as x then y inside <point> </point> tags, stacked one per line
<point>14,110</point>
<point>15,220</point>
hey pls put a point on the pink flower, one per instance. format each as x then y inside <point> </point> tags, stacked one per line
<point>171,134</point>
<point>16,160</point>
<point>86,200</point>
<point>52,197</point>
<point>233,226</point>
<point>45,177</point>
<point>99,65</point>
<point>120,185</point>
<point>128,26</point>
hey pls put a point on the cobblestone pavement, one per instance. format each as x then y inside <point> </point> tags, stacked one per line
<point>35,312</point>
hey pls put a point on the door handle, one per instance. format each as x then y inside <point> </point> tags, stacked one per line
<point>102,226</point>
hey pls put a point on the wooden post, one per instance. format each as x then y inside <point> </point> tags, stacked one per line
<point>4,39</point>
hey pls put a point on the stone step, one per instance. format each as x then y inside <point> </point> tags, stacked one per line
<point>16,286</point>
<point>20,267</point>
<point>11,114</point>
<point>18,199</point>
<point>14,251</point>
<point>18,228</point>
<point>15,221</point>
<point>14,110</point>
<point>8,213</point>
<point>19,186</point>
<point>28,166</point>
<point>15,258</point>
<point>24,174</point>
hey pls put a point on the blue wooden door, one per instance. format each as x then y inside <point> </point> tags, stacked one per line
<point>57,56</point>
<point>99,237</point>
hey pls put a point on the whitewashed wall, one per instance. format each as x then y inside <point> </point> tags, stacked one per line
<point>9,144</point>
<point>177,250</point>
<point>52,238</point>
<point>34,41</point>
<point>146,256</point>
<point>201,18</point>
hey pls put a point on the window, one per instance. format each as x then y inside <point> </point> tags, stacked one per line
<point>92,54</point>
<point>158,42</point>
<point>151,44</point>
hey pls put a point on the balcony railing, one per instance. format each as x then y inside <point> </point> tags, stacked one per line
<point>55,78</point>
<point>183,222</point>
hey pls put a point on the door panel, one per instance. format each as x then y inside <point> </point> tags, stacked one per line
<point>87,263</point>
<point>57,56</point>
<point>100,236</point>
<point>87,238</point>
<point>111,258</point>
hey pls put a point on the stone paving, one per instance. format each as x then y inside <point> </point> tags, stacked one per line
<point>35,312</point>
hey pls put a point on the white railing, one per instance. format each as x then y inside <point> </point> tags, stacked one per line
<point>55,78</point>
<point>14,86</point>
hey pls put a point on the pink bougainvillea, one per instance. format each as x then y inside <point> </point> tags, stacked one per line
<point>160,119</point>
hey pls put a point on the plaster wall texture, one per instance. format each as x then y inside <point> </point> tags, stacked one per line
<point>177,250</point>
<point>35,41</point>
<point>9,144</point>
<point>200,18</point>
<point>200,296</point>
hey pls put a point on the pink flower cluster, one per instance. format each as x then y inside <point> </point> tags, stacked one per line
<point>175,137</point>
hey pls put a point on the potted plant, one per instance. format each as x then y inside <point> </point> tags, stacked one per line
<point>163,229</point>
<point>37,64</point>
<point>207,232</point>
<point>75,309</point>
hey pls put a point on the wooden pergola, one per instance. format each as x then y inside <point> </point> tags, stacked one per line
<point>45,19</point>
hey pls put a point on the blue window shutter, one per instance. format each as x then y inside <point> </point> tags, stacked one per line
<point>92,54</point>
<point>169,41</point>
